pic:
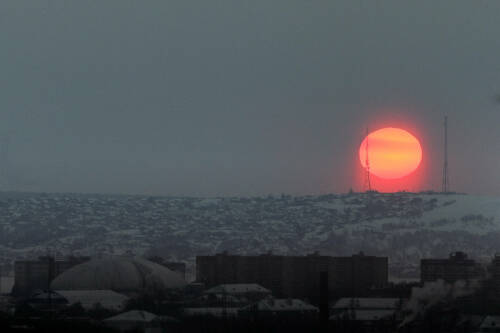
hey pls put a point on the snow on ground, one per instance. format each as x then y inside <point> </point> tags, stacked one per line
<point>403,226</point>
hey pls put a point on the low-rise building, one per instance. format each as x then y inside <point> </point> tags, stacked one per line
<point>47,300</point>
<point>89,299</point>
<point>367,310</point>
<point>490,324</point>
<point>208,311</point>
<point>136,321</point>
<point>248,290</point>
<point>239,294</point>
<point>271,307</point>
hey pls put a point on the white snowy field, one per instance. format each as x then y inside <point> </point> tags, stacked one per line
<point>403,226</point>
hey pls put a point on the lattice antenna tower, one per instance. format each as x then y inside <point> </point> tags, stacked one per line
<point>4,161</point>
<point>368,184</point>
<point>446,182</point>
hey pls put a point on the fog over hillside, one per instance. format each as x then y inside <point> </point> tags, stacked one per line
<point>403,226</point>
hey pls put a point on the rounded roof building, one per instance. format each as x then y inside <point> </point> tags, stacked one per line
<point>119,274</point>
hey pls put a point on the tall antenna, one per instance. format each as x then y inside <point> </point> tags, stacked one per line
<point>4,162</point>
<point>368,184</point>
<point>446,182</point>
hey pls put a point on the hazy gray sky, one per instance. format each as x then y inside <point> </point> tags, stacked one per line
<point>242,98</point>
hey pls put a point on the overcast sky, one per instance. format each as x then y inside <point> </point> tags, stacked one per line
<point>242,97</point>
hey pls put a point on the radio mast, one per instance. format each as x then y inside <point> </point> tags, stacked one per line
<point>368,184</point>
<point>446,183</point>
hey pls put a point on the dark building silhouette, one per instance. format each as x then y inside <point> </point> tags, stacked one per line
<point>456,267</point>
<point>31,275</point>
<point>494,270</point>
<point>355,275</point>
<point>295,276</point>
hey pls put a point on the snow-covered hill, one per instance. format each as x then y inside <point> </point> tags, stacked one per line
<point>403,226</point>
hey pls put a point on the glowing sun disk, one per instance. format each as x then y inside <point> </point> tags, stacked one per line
<point>392,153</point>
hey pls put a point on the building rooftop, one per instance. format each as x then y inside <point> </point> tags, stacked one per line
<point>133,316</point>
<point>364,315</point>
<point>119,274</point>
<point>275,305</point>
<point>490,324</point>
<point>368,303</point>
<point>108,299</point>
<point>211,311</point>
<point>238,288</point>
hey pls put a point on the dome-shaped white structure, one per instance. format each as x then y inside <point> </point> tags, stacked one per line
<point>119,274</point>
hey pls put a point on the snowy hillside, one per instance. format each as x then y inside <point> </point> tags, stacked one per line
<point>403,226</point>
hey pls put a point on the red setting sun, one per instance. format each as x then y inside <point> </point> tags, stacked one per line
<point>392,153</point>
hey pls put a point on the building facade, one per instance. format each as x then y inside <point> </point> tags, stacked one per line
<point>31,275</point>
<point>295,276</point>
<point>457,267</point>
<point>355,276</point>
